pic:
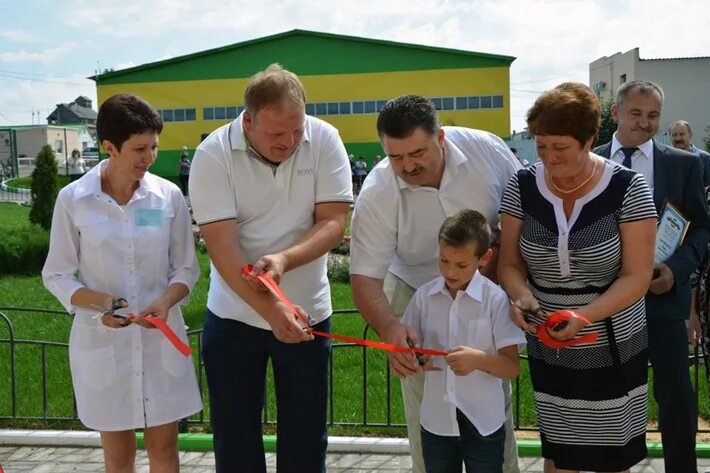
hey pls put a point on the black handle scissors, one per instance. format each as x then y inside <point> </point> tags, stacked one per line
<point>420,357</point>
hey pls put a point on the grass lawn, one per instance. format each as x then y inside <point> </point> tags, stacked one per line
<point>348,382</point>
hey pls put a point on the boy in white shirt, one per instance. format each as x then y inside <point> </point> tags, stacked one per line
<point>466,314</point>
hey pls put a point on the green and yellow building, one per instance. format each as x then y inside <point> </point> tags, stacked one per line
<point>347,80</point>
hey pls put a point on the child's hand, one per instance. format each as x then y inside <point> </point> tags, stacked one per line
<point>463,360</point>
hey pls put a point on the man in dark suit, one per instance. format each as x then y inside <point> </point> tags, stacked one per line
<point>673,176</point>
<point>681,137</point>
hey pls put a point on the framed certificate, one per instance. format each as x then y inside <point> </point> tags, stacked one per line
<point>672,227</point>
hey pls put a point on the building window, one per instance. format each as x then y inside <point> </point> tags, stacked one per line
<point>461,103</point>
<point>448,103</point>
<point>622,79</point>
<point>370,106</point>
<point>358,108</point>
<point>344,108</point>
<point>321,108</point>
<point>437,102</point>
<point>208,114</point>
<point>59,146</point>
<point>310,109</point>
<point>497,101</point>
<point>486,101</point>
<point>177,114</point>
<point>332,108</point>
<point>232,112</point>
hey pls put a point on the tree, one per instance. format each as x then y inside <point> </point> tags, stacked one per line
<point>44,188</point>
<point>706,140</point>
<point>607,126</point>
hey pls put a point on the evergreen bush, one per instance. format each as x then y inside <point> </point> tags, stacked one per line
<point>44,188</point>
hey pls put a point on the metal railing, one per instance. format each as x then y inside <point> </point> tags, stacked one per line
<point>12,343</point>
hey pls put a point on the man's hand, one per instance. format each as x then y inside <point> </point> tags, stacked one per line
<point>402,364</point>
<point>664,280</point>
<point>287,327</point>
<point>463,360</point>
<point>273,265</point>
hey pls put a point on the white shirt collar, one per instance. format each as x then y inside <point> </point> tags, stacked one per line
<point>452,158</point>
<point>91,183</point>
<point>238,140</point>
<point>474,289</point>
<point>645,148</point>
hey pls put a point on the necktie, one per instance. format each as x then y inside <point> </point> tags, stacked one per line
<point>627,155</point>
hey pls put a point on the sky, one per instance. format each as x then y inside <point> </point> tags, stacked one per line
<point>49,48</point>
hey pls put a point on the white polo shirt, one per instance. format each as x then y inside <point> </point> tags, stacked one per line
<point>476,318</point>
<point>395,225</point>
<point>273,206</point>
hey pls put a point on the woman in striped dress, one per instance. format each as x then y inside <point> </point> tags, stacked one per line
<point>578,233</point>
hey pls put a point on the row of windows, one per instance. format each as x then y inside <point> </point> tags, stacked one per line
<point>357,107</point>
<point>177,114</point>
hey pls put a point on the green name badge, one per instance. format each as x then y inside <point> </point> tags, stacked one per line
<point>149,217</point>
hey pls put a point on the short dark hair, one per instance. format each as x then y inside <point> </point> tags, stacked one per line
<point>464,227</point>
<point>570,109</point>
<point>123,115</point>
<point>644,87</point>
<point>400,117</point>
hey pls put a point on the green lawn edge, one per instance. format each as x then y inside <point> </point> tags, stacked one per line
<point>526,448</point>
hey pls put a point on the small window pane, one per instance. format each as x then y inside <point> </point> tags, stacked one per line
<point>437,102</point>
<point>179,114</point>
<point>333,108</point>
<point>486,101</point>
<point>240,109</point>
<point>497,101</point>
<point>474,102</point>
<point>344,108</point>
<point>310,109</point>
<point>190,114</point>
<point>321,108</point>
<point>167,115</point>
<point>370,106</point>
<point>208,113</point>
<point>380,104</point>
<point>232,112</point>
<point>358,107</point>
<point>461,103</point>
<point>219,113</point>
<point>448,103</point>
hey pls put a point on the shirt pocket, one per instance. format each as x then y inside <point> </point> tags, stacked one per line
<point>93,227</point>
<point>480,335</point>
<point>96,368</point>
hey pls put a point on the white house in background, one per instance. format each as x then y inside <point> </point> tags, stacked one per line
<point>685,82</point>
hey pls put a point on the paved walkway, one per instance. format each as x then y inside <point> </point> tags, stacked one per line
<point>67,459</point>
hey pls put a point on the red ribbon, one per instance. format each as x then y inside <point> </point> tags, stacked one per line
<point>276,290</point>
<point>160,324</point>
<point>558,317</point>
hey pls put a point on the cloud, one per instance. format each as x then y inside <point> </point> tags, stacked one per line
<point>19,36</point>
<point>48,56</point>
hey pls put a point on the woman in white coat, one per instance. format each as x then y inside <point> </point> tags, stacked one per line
<point>122,232</point>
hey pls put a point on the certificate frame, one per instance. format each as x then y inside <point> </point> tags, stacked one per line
<point>670,233</point>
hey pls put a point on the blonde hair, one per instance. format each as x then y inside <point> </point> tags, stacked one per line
<point>273,86</point>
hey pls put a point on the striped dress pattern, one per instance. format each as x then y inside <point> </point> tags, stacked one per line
<point>591,399</point>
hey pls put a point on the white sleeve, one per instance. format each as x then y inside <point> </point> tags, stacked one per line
<point>333,177</point>
<point>373,240</point>
<point>211,194</point>
<point>62,263</point>
<point>505,332</point>
<point>181,254</point>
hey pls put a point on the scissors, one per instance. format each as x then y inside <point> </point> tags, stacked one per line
<point>420,357</point>
<point>117,304</point>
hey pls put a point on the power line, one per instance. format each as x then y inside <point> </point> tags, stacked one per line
<point>23,76</point>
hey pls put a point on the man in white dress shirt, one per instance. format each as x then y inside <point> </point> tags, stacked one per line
<point>431,173</point>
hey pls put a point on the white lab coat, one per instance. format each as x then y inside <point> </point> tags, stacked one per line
<point>130,377</point>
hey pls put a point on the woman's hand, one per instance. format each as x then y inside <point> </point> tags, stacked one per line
<point>522,307</point>
<point>568,329</point>
<point>107,317</point>
<point>157,309</point>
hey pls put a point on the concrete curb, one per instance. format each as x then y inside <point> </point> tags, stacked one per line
<point>13,190</point>
<point>203,442</point>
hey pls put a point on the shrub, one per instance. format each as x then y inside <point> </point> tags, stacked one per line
<point>23,250</point>
<point>44,188</point>
<point>342,249</point>
<point>338,268</point>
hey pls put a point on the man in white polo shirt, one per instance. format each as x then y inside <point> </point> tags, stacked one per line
<point>272,188</point>
<point>431,172</point>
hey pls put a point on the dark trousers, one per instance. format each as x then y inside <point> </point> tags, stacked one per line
<point>184,181</point>
<point>480,454</point>
<point>673,391</point>
<point>235,356</point>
